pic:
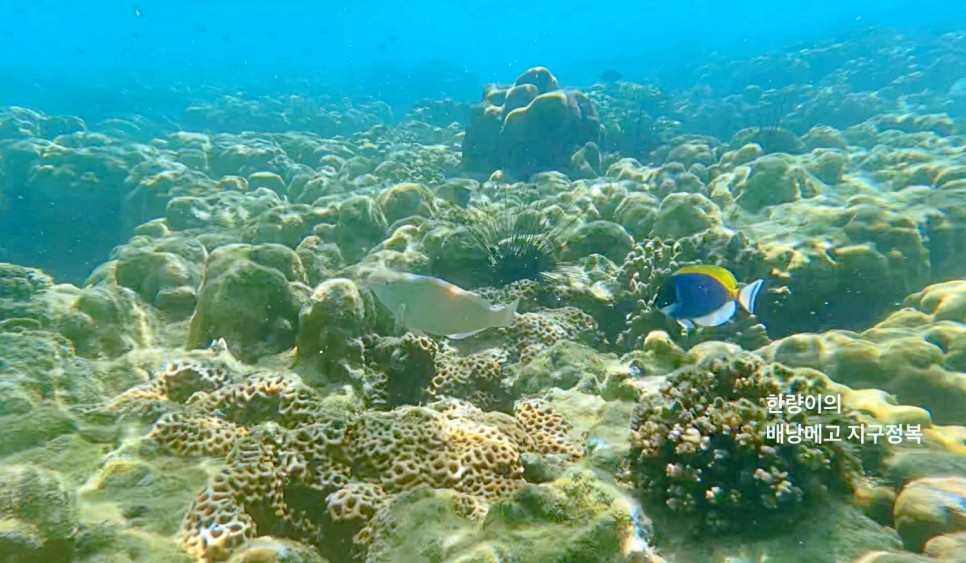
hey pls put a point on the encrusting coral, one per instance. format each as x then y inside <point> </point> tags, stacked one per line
<point>366,460</point>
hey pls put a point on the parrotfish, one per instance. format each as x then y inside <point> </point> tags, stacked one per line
<point>425,304</point>
<point>706,296</point>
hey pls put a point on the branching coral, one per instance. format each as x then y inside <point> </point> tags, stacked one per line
<point>651,263</point>
<point>700,447</point>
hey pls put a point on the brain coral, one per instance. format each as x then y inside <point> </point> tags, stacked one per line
<point>699,446</point>
<point>314,468</point>
<point>530,127</point>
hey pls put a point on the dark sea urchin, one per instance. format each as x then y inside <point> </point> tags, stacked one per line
<point>523,244</point>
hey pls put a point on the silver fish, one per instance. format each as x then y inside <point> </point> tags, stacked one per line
<point>425,304</point>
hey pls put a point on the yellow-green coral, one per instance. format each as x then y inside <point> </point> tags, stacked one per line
<point>915,353</point>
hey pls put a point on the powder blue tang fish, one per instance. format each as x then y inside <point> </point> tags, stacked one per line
<point>706,296</point>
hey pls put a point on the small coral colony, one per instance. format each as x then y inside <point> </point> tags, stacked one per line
<point>588,325</point>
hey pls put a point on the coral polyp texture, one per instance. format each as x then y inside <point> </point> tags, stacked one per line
<point>316,469</point>
<point>196,363</point>
<point>275,481</point>
<point>532,126</point>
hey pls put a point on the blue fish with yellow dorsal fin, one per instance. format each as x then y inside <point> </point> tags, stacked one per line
<point>705,296</point>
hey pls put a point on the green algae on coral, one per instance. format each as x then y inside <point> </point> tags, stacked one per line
<point>38,512</point>
<point>574,518</point>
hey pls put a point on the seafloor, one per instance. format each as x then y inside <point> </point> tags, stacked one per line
<point>223,386</point>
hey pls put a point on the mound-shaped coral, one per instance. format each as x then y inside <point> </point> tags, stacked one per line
<point>331,328</point>
<point>164,273</point>
<point>38,515</point>
<point>915,353</point>
<point>529,127</point>
<point>929,507</point>
<point>577,517</point>
<point>250,296</point>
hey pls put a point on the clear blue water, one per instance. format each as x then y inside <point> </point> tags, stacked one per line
<point>55,53</point>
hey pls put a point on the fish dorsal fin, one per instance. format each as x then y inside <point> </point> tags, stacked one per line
<point>718,273</point>
<point>719,317</point>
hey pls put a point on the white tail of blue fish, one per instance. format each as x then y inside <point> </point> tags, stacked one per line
<point>748,296</point>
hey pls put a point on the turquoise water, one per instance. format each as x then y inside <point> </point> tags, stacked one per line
<point>402,50</point>
<point>583,282</point>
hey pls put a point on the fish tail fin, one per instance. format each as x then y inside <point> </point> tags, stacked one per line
<point>748,296</point>
<point>505,314</point>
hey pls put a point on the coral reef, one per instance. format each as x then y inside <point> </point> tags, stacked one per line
<point>529,127</point>
<point>578,517</point>
<point>700,446</point>
<point>331,327</point>
<point>250,296</point>
<point>192,367</point>
<point>288,449</point>
<point>916,352</point>
<point>652,262</point>
<point>929,507</point>
<point>39,515</point>
<point>448,445</point>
